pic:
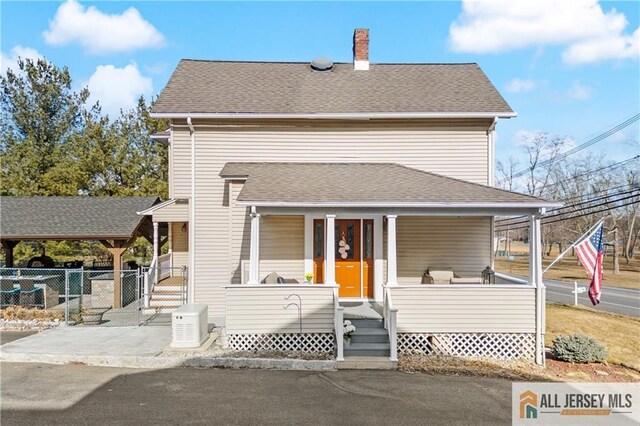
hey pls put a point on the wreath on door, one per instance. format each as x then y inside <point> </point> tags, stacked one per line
<point>344,247</point>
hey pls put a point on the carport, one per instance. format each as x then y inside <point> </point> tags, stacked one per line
<point>113,221</point>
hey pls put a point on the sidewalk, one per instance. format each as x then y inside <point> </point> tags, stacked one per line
<point>131,347</point>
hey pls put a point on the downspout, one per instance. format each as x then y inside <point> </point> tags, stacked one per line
<point>540,290</point>
<point>491,182</point>
<point>192,217</point>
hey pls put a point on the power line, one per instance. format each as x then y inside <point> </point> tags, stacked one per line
<point>574,217</point>
<point>587,211</point>
<point>624,196</point>
<point>610,166</point>
<point>587,144</point>
<point>509,221</point>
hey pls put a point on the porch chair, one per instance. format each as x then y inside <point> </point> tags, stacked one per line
<point>29,295</point>
<point>9,294</point>
<point>438,276</point>
<point>275,278</point>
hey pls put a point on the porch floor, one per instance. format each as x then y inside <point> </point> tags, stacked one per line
<point>362,310</point>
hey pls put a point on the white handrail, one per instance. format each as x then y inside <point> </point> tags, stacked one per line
<point>149,281</point>
<point>338,325</point>
<point>164,267</point>
<point>391,324</point>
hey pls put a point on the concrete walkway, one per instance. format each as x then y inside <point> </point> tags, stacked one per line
<point>91,342</point>
<point>134,347</point>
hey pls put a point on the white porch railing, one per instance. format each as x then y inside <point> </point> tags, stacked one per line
<point>339,325</point>
<point>281,317</point>
<point>164,267</point>
<point>150,278</point>
<point>158,270</point>
<point>467,320</point>
<point>390,313</point>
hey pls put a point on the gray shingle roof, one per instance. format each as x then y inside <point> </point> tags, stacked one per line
<point>71,217</point>
<point>293,88</point>
<point>364,183</point>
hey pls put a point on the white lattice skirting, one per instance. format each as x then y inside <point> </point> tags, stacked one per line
<point>305,342</point>
<point>504,346</point>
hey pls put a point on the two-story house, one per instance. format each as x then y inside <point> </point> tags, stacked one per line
<point>345,188</point>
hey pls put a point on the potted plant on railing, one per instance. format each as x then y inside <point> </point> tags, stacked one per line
<point>347,331</point>
<point>308,278</point>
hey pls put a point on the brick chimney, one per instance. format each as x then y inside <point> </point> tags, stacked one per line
<point>361,49</point>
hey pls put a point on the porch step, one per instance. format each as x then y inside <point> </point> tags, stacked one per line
<point>166,301</point>
<point>370,335</point>
<point>367,323</point>
<point>172,281</point>
<point>166,295</point>
<point>369,340</point>
<point>367,363</point>
<point>168,287</point>
<point>367,349</point>
<point>159,310</point>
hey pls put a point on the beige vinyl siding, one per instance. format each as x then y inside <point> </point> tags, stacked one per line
<point>281,248</point>
<point>240,232</point>
<point>281,242</point>
<point>255,309</point>
<point>459,151</point>
<point>177,212</point>
<point>179,245</point>
<point>460,244</point>
<point>492,308</point>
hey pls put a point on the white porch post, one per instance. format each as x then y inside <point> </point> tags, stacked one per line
<point>156,243</point>
<point>392,264</point>
<point>308,245</point>
<point>378,279</point>
<point>535,277</point>
<point>330,251</point>
<point>254,249</point>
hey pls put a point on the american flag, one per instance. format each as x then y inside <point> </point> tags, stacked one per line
<point>590,253</point>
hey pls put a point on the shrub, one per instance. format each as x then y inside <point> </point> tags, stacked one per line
<point>578,348</point>
<point>25,314</point>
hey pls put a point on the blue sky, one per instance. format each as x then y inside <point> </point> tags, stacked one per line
<point>569,68</point>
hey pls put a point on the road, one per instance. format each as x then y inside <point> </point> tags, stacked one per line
<point>39,394</point>
<point>614,299</point>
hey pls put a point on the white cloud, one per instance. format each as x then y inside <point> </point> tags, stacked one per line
<point>578,91</point>
<point>11,60</point>
<point>117,88</point>
<point>601,49</point>
<point>99,32</point>
<point>518,85</point>
<point>588,34</point>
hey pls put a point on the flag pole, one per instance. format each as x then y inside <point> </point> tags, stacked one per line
<point>587,234</point>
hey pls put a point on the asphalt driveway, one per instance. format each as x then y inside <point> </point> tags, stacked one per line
<point>10,336</point>
<point>70,394</point>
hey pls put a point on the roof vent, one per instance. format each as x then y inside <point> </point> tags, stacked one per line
<point>321,64</point>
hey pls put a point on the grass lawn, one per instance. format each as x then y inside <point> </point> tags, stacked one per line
<point>568,269</point>
<point>619,333</point>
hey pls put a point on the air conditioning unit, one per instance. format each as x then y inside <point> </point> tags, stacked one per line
<point>190,328</point>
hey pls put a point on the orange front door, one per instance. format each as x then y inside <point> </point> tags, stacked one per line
<point>348,260</point>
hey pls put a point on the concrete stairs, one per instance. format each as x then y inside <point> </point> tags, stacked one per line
<point>369,348</point>
<point>369,340</point>
<point>167,295</point>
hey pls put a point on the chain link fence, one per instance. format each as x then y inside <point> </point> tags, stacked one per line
<point>163,289</point>
<point>87,297</point>
<point>106,298</point>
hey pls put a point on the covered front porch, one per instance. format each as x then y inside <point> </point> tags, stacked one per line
<point>416,245</point>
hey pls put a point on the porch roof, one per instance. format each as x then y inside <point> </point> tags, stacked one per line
<point>364,185</point>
